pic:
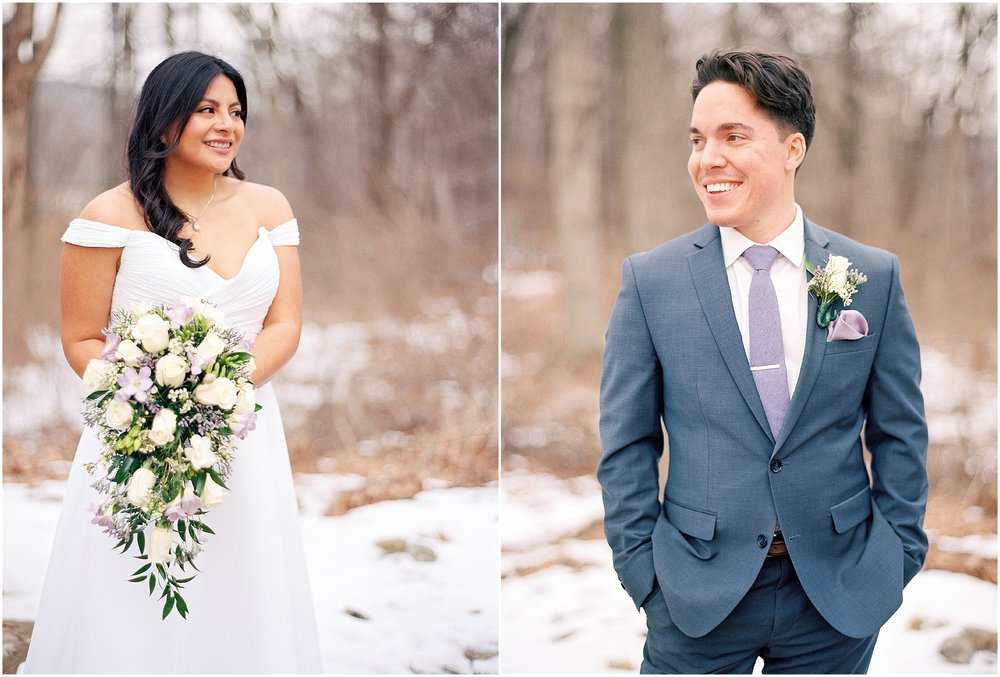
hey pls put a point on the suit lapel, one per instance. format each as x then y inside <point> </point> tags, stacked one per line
<point>812,358</point>
<point>708,271</point>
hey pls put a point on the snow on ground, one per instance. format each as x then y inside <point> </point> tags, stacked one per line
<point>564,610</point>
<point>420,616</point>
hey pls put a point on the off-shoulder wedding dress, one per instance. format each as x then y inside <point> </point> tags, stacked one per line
<point>250,607</point>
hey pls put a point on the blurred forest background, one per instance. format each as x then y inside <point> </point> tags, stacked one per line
<point>596,107</point>
<point>379,123</point>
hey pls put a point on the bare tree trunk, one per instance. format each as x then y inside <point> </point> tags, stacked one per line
<point>20,71</point>
<point>735,33</point>
<point>644,167</point>
<point>121,80</point>
<point>23,57</point>
<point>515,17</point>
<point>383,129</point>
<point>574,99</point>
<point>850,130</point>
<point>168,26</point>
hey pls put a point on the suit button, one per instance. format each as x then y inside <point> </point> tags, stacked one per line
<point>762,540</point>
<point>775,465</point>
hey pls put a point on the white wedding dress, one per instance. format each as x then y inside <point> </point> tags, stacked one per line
<point>250,608</point>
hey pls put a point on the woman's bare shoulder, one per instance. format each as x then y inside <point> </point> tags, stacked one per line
<point>115,207</point>
<point>270,206</point>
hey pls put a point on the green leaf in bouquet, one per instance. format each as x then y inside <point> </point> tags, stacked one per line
<point>239,357</point>
<point>141,540</point>
<point>182,607</point>
<point>257,407</point>
<point>168,607</point>
<point>152,584</point>
<point>207,529</point>
<point>184,580</point>
<point>216,478</point>
<point>182,529</point>
<point>98,394</point>
<point>137,579</point>
<point>143,569</point>
<point>199,482</point>
<point>128,465</point>
<point>226,431</point>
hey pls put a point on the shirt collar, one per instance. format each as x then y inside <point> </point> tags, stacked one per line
<point>790,243</point>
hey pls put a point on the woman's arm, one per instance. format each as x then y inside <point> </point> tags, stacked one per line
<point>279,338</point>
<point>87,279</point>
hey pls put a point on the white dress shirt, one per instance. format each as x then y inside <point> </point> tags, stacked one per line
<point>788,274</point>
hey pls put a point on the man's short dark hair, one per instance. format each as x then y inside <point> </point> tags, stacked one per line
<point>779,86</point>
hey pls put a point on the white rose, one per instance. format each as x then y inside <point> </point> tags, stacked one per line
<point>210,347</point>
<point>140,487</point>
<point>164,426</point>
<point>246,400</point>
<point>220,392</point>
<point>171,370</point>
<point>128,352</point>
<point>210,312</point>
<point>161,545</point>
<point>152,331</point>
<point>199,452</point>
<point>139,308</point>
<point>212,494</point>
<point>96,374</point>
<point>118,415</point>
<point>836,271</point>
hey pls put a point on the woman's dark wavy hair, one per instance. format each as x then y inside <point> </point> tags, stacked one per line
<point>167,100</point>
<point>779,86</point>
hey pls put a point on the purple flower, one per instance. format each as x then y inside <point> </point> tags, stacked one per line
<point>134,384</point>
<point>243,424</point>
<point>180,314</point>
<point>110,346</point>
<point>197,363</point>
<point>102,518</point>
<point>174,512</point>
<point>186,504</point>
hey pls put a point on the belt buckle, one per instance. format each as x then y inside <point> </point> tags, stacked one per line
<point>778,547</point>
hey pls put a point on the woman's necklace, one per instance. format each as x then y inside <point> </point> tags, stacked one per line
<point>196,223</point>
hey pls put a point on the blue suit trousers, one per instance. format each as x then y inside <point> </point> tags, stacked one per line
<point>775,620</point>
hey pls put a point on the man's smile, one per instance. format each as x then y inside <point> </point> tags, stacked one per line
<point>725,187</point>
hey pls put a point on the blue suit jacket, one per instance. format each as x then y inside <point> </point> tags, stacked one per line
<point>674,353</point>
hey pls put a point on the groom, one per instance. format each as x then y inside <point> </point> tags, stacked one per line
<point>771,539</point>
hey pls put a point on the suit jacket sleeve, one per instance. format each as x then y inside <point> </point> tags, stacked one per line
<point>632,439</point>
<point>896,430</point>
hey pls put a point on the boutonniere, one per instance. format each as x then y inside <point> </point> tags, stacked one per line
<point>836,281</point>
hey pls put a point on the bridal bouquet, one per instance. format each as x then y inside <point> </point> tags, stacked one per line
<point>168,396</point>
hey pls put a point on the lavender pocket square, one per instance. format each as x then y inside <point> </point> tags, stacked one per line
<point>850,325</point>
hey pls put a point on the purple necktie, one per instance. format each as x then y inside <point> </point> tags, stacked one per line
<point>767,352</point>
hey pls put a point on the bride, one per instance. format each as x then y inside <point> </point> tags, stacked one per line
<point>185,224</point>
